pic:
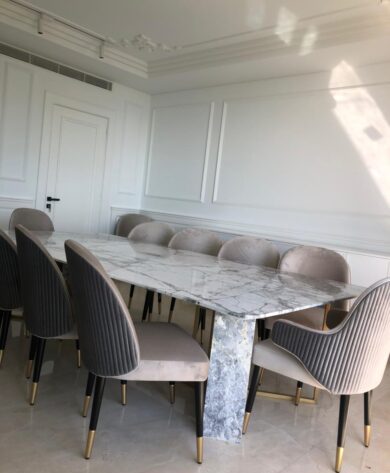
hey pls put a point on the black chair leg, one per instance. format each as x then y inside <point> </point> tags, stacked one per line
<point>367,418</point>
<point>31,356</point>
<point>146,306</point>
<point>343,415</point>
<point>199,402</point>
<point>132,287</point>
<point>97,402</point>
<point>78,353</point>
<point>202,323</point>
<point>88,393</point>
<point>172,392</point>
<point>40,350</point>
<point>151,301</point>
<point>5,321</point>
<point>123,392</point>
<point>171,309</point>
<point>261,330</point>
<point>159,300</point>
<point>251,396</point>
<point>298,392</point>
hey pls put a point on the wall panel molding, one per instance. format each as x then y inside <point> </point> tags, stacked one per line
<point>176,188</point>
<point>16,96</point>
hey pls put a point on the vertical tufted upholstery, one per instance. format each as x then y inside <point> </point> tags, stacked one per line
<point>106,331</point>
<point>152,232</point>
<point>9,274</point>
<point>249,250</point>
<point>197,240</point>
<point>32,219</point>
<point>351,358</point>
<point>46,301</point>
<point>128,221</point>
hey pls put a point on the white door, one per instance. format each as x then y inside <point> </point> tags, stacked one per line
<point>75,173</point>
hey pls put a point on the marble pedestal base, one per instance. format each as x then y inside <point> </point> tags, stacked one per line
<point>230,362</point>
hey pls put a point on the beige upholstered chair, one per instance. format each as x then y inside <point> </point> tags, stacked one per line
<point>113,347</point>
<point>157,233</point>
<point>32,219</point>
<point>349,359</point>
<point>10,297</point>
<point>249,250</point>
<point>124,225</point>
<point>198,241</point>
<point>46,301</point>
<point>127,222</point>
<point>318,263</point>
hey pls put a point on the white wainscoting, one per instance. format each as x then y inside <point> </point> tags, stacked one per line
<point>366,267</point>
<point>295,159</point>
<point>25,91</point>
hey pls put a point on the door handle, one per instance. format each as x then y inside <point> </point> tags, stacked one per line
<point>52,199</point>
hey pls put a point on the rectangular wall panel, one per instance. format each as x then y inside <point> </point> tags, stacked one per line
<point>15,114</point>
<point>178,154</point>
<point>322,152</point>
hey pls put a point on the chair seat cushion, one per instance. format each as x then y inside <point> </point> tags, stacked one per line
<point>168,353</point>
<point>312,318</point>
<point>269,356</point>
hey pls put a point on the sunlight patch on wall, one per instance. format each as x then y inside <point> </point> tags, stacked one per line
<point>309,41</point>
<point>366,126</point>
<point>286,25</point>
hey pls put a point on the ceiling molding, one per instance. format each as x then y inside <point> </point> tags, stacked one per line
<point>306,36</point>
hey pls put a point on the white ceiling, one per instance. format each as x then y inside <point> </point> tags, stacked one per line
<point>212,41</point>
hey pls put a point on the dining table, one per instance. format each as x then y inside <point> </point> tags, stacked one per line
<point>239,294</point>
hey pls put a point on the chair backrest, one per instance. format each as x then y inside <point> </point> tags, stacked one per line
<point>152,232</point>
<point>32,219</point>
<point>107,335</point>
<point>319,263</point>
<point>249,250</point>
<point>351,358</point>
<point>197,240</point>
<point>128,221</point>
<point>46,302</point>
<point>10,297</point>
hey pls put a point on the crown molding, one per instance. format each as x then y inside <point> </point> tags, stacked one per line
<point>327,30</point>
<point>372,23</point>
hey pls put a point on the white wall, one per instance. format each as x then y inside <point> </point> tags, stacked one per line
<point>302,159</point>
<point>25,92</point>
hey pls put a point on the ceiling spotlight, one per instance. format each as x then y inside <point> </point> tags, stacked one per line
<point>40,23</point>
<point>102,50</point>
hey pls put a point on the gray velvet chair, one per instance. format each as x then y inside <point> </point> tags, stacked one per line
<point>127,222</point>
<point>46,301</point>
<point>318,263</point>
<point>198,241</point>
<point>349,359</point>
<point>249,250</point>
<point>157,233</point>
<point>10,298</point>
<point>113,347</point>
<point>32,219</point>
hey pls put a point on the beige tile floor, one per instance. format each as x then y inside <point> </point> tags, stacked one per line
<point>149,435</point>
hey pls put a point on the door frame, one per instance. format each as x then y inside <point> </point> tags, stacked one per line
<point>51,100</point>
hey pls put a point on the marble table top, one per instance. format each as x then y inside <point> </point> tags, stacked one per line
<point>228,288</point>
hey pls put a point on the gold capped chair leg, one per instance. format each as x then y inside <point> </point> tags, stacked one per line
<point>343,415</point>
<point>247,416</point>
<point>89,446</point>
<point>124,392</point>
<point>255,380</point>
<point>367,418</point>
<point>199,450</point>
<point>33,394</point>
<point>40,350</point>
<point>88,393</point>
<point>339,459</point>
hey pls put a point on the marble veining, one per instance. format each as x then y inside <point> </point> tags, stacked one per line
<point>227,287</point>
